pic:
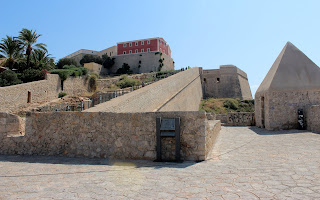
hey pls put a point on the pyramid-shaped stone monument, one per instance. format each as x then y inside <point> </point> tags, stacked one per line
<point>292,83</point>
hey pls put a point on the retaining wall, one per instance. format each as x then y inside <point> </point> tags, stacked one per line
<point>12,98</point>
<point>180,92</point>
<point>241,119</point>
<point>11,125</point>
<point>312,117</point>
<point>108,135</point>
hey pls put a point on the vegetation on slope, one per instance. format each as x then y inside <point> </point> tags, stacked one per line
<point>223,106</point>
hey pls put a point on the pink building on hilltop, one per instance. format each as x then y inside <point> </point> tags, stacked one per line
<point>157,44</point>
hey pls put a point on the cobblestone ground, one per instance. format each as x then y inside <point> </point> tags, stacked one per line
<point>246,163</point>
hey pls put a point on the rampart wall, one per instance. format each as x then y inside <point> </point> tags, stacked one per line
<point>149,62</point>
<point>226,82</point>
<point>15,97</point>
<point>12,98</point>
<point>240,119</point>
<point>167,94</point>
<point>106,135</point>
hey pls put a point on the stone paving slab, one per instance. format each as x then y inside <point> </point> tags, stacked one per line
<point>246,163</point>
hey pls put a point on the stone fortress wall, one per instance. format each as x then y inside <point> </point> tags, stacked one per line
<point>180,92</point>
<point>148,61</point>
<point>15,97</point>
<point>226,82</point>
<point>105,135</point>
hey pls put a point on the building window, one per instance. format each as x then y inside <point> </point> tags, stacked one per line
<point>218,80</point>
<point>148,49</point>
<point>124,52</point>
<point>148,42</point>
<point>136,43</point>
<point>142,42</point>
<point>124,45</point>
<point>29,97</point>
<point>130,44</point>
<point>142,50</point>
<point>136,51</point>
<point>130,51</point>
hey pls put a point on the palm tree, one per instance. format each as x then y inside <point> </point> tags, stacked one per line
<point>11,50</point>
<point>29,39</point>
<point>42,60</point>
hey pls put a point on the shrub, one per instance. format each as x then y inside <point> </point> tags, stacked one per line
<point>63,73</point>
<point>93,82</point>
<point>125,69</point>
<point>66,61</point>
<point>69,70</point>
<point>91,58</point>
<point>108,62</point>
<point>62,94</point>
<point>9,77</point>
<point>31,75</point>
<point>232,104</point>
<point>95,74</point>
<point>125,82</point>
<point>84,70</point>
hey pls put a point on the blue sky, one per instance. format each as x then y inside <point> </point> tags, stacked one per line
<point>206,33</point>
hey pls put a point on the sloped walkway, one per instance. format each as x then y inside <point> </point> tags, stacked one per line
<point>246,163</point>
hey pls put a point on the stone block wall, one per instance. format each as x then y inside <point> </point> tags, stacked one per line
<point>15,97</point>
<point>12,98</point>
<point>222,118</point>
<point>281,108</point>
<point>312,118</point>
<point>76,86</point>
<point>11,125</point>
<point>240,119</point>
<point>149,62</point>
<point>107,135</point>
<point>212,132</point>
<point>93,67</point>
<point>168,93</point>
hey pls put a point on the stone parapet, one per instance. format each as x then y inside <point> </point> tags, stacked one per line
<point>107,135</point>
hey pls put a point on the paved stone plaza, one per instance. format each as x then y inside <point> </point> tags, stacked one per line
<point>246,163</point>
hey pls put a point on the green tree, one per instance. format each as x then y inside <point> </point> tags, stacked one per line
<point>8,77</point>
<point>29,39</point>
<point>66,61</point>
<point>125,69</point>
<point>40,59</point>
<point>91,58</point>
<point>30,74</point>
<point>11,49</point>
<point>108,62</point>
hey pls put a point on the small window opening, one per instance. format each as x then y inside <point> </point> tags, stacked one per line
<point>29,97</point>
<point>218,80</point>
<point>205,80</point>
<point>61,84</point>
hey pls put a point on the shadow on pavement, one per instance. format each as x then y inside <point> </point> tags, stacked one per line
<point>262,131</point>
<point>59,160</point>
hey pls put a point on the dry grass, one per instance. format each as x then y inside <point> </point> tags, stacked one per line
<point>225,105</point>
